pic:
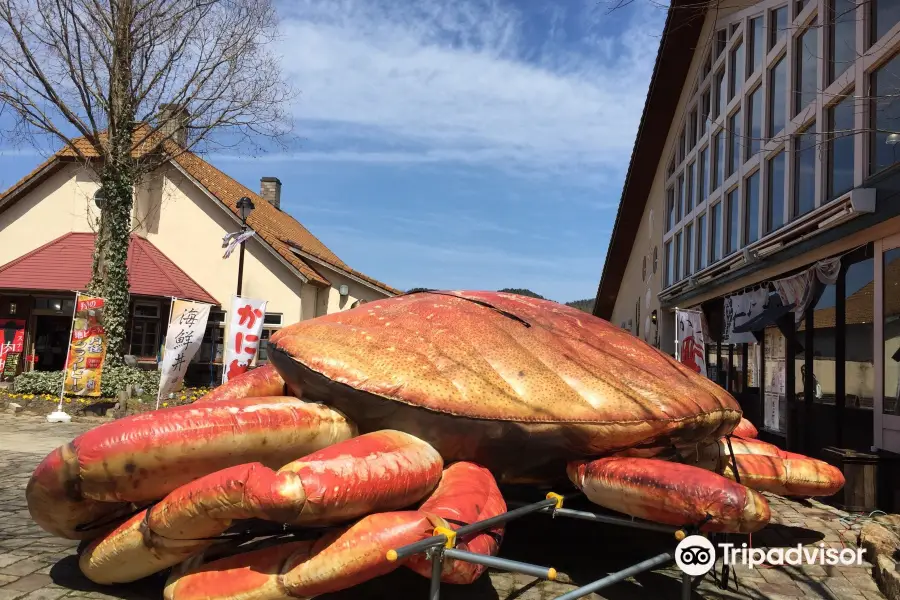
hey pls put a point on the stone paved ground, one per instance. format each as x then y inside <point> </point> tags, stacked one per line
<point>35,566</point>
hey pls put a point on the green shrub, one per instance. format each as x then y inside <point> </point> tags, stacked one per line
<point>115,379</point>
<point>39,382</point>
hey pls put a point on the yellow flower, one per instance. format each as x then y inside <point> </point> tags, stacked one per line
<point>183,397</point>
<point>68,401</point>
<point>165,404</point>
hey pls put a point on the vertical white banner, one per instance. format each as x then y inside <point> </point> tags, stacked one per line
<point>689,329</point>
<point>183,338</point>
<point>245,321</point>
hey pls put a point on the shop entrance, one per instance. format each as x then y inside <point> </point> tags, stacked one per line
<point>51,341</point>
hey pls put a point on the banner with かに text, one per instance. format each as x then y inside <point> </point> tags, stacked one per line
<point>183,339</point>
<point>87,348</point>
<point>245,321</point>
<point>690,331</point>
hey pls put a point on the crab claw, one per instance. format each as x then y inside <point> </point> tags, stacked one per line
<point>746,430</point>
<point>670,493</point>
<point>467,493</point>
<point>353,555</point>
<point>260,382</point>
<point>767,468</point>
<point>384,470</point>
<point>141,458</point>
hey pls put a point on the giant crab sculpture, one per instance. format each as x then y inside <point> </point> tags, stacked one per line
<point>388,421</point>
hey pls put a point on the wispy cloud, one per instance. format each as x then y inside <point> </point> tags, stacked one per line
<point>465,82</point>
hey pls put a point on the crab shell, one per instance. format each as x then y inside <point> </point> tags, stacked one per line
<point>516,384</point>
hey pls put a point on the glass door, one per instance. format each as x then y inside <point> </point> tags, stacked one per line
<point>887,344</point>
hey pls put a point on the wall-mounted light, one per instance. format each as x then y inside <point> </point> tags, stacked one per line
<point>344,290</point>
<point>12,308</point>
<point>653,317</point>
<point>892,139</point>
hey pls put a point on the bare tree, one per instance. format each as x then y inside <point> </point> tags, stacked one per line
<point>126,85</point>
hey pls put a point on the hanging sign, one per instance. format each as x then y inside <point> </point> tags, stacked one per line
<point>245,321</point>
<point>183,338</point>
<point>690,331</point>
<point>87,348</point>
<point>739,309</point>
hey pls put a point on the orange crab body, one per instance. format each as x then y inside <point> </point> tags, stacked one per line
<point>398,417</point>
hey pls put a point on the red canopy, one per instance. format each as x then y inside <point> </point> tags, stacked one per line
<point>65,265</point>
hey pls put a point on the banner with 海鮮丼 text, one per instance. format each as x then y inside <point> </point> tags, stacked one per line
<point>87,348</point>
<point>245,321</point>
<point>183,338</point>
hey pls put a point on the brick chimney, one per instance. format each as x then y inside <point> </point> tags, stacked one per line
<point>174,120</point>
<point>270,190</point>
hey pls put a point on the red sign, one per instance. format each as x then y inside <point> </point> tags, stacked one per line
<point>12,339</point>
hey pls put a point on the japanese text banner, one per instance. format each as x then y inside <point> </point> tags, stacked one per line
<point>87,348</point>
<point>245,321</point>
<point>183,339</point>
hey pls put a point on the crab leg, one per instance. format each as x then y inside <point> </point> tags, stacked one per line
<point>670,493</point>
<point>384,470</point>
<point>353,555</point>
<point>767,468</point>
<point>746,429</point>
<point>139,459</point>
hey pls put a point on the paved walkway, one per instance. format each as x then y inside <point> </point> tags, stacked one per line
<point>35,566</point>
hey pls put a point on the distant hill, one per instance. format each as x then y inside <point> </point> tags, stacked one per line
<point>419,290</point>
<point>587,305</point>
<point>522,292</point>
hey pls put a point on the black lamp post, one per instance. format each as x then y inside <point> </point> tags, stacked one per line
<point>245,207</point>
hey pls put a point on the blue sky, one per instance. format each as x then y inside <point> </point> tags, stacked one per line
<point>468,144</point>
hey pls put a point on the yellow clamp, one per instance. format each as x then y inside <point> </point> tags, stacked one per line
<point>558,498</point>
<point>392,555</point>
<point>680,534</point>
<point>451,535</point>
<point>551,574</point>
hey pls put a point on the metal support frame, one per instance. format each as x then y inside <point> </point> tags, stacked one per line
<point>442,545</point>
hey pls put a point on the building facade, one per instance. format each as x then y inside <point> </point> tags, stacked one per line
<point>181,214</point>
<point>775,168</point>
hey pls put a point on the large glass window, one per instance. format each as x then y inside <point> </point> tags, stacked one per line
<point>840,147</point>
<point>719,161</point>
<point>734,143</point>
<point>732,216</point>
<point>679,204</point>
<point>688,248</point>
<point>737,69</point>
<point>721,41</point>
<point>885,14</point>
<point>670,209</point>
<point>678,273</point>
<point>705,115</point>
<point>806,67</point>
<point>692,134</point>
<point>775,189</point>
<point>859,335</point>
<point>757,44</point>
<point>691,186</point>
<point>804,172</point>
<point>891,327</point>
<point>702,174</point>
<point>720,93</point>
<point>715,233</point>
<point>751,209</point>
<point>670,272</point>
<point>701,242</point>
<point>778,25</point>
<point>842,36</point>
<point>754,123</point>
<point>777,91</point>
<point>886,115</point>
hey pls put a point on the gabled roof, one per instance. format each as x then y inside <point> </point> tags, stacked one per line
<point>65,265</point>
<point>285,235</point>
<point>673,61</point>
